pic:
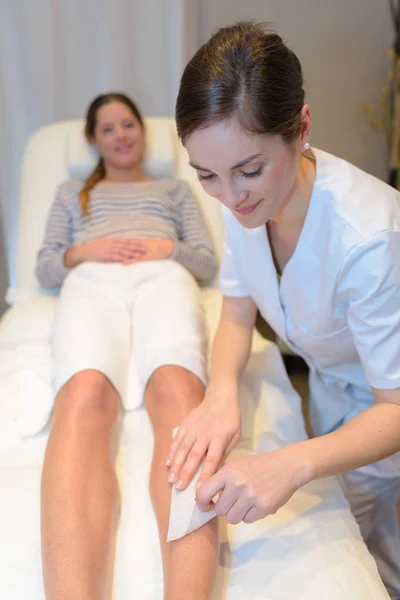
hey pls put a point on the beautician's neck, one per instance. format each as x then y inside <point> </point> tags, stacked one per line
<point>294,209</point>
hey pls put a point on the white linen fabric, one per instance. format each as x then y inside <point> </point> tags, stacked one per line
<point>310,549</point>
<point>126,322</point>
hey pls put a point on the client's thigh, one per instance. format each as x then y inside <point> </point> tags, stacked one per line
<point>91,330</point>
<point>168,324</point>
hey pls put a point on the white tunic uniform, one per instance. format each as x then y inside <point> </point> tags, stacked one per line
<point>338,301</point>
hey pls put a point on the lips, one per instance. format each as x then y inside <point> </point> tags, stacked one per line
<point>123,149</point>
<point>247,210</point>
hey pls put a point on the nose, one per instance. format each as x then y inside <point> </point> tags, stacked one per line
<point>230,195</point>
<point>120,131</point>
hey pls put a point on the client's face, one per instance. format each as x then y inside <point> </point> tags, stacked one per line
<point>118,136</point>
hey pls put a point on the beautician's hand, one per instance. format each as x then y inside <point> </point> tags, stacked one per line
<point>152,249</point>
<point>209,432</point>
<point>104,249</point>
<point>255,486</point>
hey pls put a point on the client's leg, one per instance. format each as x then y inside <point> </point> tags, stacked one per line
<point>79,490</point>
<point>190,562</point>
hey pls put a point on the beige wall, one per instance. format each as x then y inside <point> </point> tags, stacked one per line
<point>3,271</point>
<point>342,46</point>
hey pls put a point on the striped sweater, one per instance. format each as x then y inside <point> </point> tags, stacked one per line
<point>165,209</point>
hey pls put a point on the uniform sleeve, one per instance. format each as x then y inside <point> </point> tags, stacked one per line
<point>232,283</point>
<point>50,268</point>
<point>370,281</point>
<point>194,249</point>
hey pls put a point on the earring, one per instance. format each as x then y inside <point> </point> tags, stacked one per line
<point>306,146</point>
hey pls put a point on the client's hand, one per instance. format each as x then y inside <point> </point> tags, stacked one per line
<point>104,249</point>
<point>152,249</point>
<point>255,486</point>
<point>209,432</point>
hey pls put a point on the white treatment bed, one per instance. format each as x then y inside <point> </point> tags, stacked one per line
<point>310,550</point>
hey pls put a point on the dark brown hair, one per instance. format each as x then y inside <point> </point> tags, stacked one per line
<point>91,121</point>
<point>244,71</point>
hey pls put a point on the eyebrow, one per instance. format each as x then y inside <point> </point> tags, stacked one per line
<point>111,123</point>
<point>237,166</point>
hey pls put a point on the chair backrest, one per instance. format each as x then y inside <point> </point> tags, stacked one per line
<point>57,152</point>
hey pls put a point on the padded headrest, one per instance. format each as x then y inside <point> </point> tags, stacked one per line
<point>160,154</point>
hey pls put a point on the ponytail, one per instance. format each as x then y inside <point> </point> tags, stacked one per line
<point>96,175</point>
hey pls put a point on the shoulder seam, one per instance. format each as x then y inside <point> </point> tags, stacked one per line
<point>357,233</point>
<point>361,243</point>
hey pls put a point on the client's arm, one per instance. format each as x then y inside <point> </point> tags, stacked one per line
<point>50,267</point>
<point>58,255</point>
<point>194,249</point>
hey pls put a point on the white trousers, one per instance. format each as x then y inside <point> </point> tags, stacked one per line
<point>126,322</point>
<point>375,502</point>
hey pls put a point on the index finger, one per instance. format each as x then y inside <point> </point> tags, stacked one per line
<point>214,457</point>
<point>176,440</point>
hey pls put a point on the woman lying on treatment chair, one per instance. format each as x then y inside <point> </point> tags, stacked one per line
<point>126,250</point>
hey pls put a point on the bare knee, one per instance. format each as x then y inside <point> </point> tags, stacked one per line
<point>88,395</point>
<point>173,385</point>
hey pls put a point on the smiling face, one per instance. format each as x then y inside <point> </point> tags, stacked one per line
<point>118,136</point>
<point>251,174</point>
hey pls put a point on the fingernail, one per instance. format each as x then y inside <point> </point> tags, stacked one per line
<point>179,485</point>
<point>171,478</point>
<point>198,485</point>
<point>168,462</point>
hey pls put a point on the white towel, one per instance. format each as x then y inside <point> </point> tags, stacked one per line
<point>35,393</point>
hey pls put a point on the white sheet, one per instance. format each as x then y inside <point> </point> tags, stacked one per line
<point>310,550</point>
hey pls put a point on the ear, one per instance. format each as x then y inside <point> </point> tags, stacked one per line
<point>306,125</point>
<point>92,142</point>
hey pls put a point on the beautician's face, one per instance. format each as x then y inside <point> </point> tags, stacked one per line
<point>118,136</point>
<point>252,175</point>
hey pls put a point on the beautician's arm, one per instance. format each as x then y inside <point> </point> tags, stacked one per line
<point>370,436</point>
<point>213,428</point>
<point>232,342</point>
<point>256,486</point>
